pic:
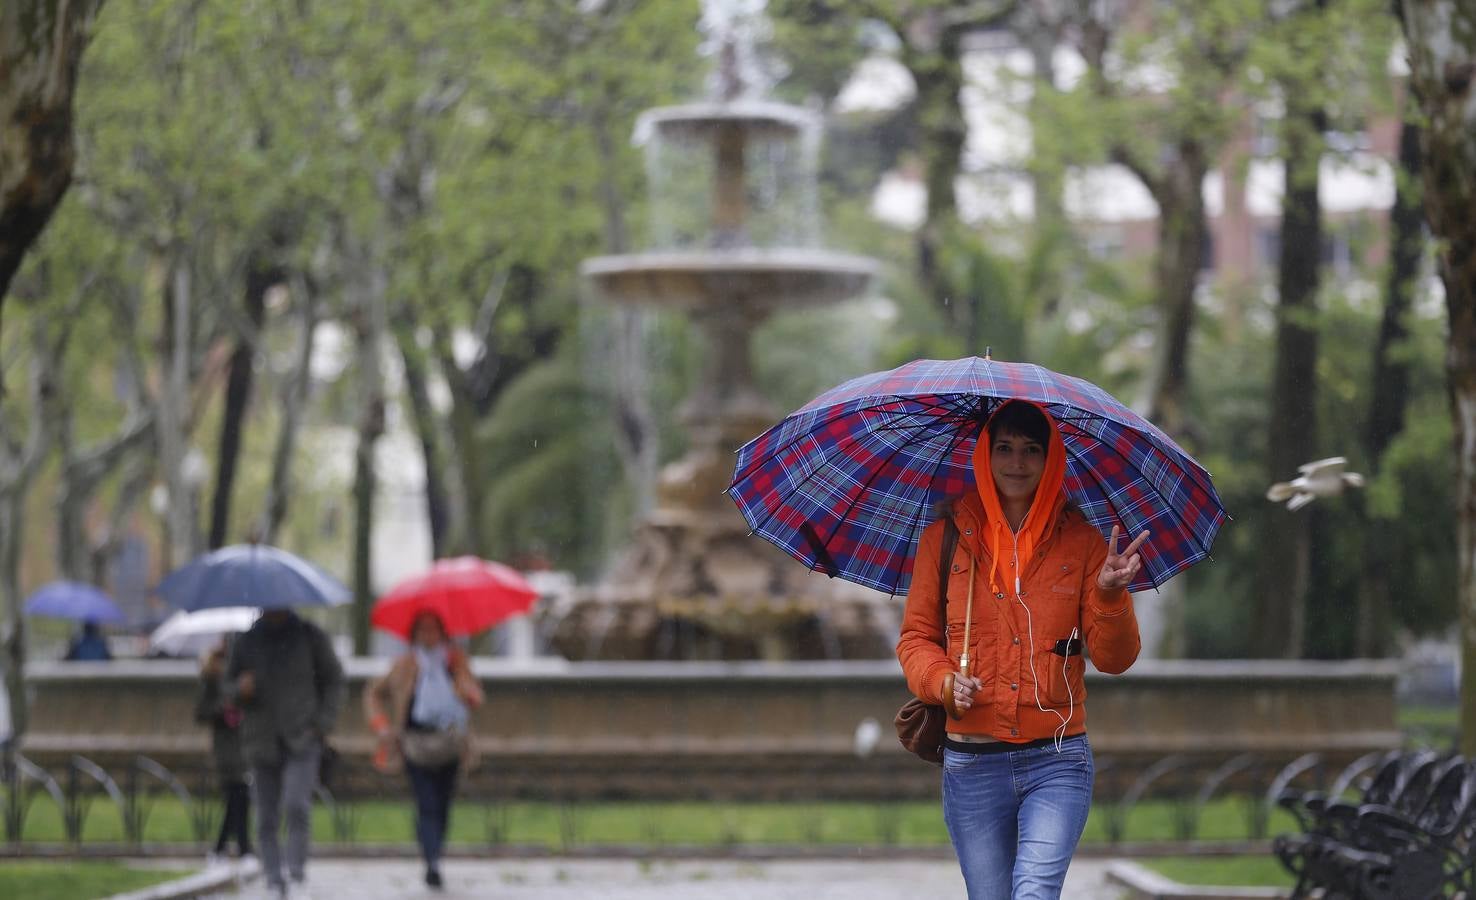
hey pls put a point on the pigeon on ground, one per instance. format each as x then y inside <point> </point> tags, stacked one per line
<point>1323,478</point>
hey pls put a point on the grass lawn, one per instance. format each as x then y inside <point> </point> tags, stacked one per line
<point>655,824</point>
<point>1440,719</point>
<point>1239,871</point>
<point>75,880</point>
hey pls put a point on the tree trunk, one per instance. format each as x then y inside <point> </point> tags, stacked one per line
<point>134,484</point>
<point>1040,30</point>
<point>1182,233</point>
<point>12,521</point>
<point>1390,388</point>
<point>259,279</point>
<point>1441,37</point>
<point>18,467</point>
<point>371,331</point>
<point>933,56</point>
<point>427,424</point>
<point>294,401</point>
<point>81,473</point>
<point>41,45</point>
<point>1286,549</point>
<point>173,416</point>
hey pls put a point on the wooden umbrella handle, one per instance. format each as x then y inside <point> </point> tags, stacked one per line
<point>952,710</point>
<point>964,663</point>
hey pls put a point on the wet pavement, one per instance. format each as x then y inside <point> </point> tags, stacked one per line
<point>721,879</point>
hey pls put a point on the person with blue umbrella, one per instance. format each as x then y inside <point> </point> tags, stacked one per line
<point>283,676</point>
<point>77,602</point>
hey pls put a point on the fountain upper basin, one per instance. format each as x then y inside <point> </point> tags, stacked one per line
<point>764,280</point>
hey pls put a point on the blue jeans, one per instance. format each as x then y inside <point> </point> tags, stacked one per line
<point>433,789</point>
<point>1014,818</point>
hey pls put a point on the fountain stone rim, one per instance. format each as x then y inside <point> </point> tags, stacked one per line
<point>757,117</point>
<point>694,279</point>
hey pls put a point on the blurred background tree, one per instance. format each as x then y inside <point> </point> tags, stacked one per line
<point>318,277</point>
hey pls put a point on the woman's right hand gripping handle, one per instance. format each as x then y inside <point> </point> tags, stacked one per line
<point>958,694</point>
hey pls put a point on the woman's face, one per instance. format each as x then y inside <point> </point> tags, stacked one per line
<point>1016,462</point>
<point>428,632</point>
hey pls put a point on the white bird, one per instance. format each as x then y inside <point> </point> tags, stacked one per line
<point>1323,478</point>
<point>868,733</point>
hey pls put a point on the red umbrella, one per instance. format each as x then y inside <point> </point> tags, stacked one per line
<point>469,594</point>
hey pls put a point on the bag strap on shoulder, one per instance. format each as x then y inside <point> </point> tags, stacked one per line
<point>945,565</point>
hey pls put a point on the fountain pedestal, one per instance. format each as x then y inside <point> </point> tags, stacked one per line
<point>694,584</point>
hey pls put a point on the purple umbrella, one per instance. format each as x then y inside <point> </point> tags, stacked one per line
<point>73,600</point>
<point>847,484</point>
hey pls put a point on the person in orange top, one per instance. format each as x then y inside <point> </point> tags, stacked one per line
<point>1031,584</point>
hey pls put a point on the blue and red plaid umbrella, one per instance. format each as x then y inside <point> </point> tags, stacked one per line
<point>847,484</point>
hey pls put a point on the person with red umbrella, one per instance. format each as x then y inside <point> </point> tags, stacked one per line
<point>420,713</point>
<point>420,709</point>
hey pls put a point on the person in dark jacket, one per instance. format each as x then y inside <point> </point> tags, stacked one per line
<point>224,719</point>
<point>89,645</point>
<point>288,682</point>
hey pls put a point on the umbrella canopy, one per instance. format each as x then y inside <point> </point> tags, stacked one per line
<point>469,594</point>
<point>250,575</point>
<point>190,633</point>
<point>847,484</point>
<point>73,600</point>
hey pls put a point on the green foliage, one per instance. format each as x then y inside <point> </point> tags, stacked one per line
<point>482,150</point>
<point>548,448</point>
<point>1246,871</point>
<point>668,823</point>
<point>76,880</point>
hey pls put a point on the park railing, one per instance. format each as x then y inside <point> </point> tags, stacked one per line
<point>141,803</point>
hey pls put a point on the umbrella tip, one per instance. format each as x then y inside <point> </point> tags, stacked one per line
<point>988,354</point>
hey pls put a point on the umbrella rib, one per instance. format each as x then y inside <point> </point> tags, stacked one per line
<point>955,441</point>
<point>850,438</point>
<point>1172,453</point>
<point>758,463</point>
<point>1108,497</point>
<point>1148,481</point>
<point>1172,456</point>
<point>861,491</point>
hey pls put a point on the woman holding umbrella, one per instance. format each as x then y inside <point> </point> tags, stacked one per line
<point>419,712</point>
<point>1030,582</point>
<point>1043,472</point>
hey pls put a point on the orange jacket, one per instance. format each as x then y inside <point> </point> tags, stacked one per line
<point>1021,698</point>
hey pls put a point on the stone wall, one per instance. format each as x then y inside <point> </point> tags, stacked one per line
<point>555,729</point>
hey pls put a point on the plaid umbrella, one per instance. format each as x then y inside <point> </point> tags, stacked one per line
<point>847,484</point>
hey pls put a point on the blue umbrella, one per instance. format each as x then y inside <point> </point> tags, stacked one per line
<point>73,600</point>
<point>250,575</point>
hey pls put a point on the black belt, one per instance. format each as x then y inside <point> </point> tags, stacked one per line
<point>1001,746</point>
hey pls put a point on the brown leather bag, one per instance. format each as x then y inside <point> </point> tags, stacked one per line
<point>920,726</point>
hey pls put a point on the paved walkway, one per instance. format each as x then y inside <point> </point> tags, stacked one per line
<point>659,880</point>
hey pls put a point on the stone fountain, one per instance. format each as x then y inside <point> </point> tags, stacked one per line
<point>735,239</point>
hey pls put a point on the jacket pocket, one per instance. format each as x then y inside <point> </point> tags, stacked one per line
<point>1061,677</point>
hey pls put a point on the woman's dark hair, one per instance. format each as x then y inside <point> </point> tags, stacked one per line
<point>1024,419</point>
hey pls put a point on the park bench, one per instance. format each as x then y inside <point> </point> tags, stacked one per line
<point>1410,837</point>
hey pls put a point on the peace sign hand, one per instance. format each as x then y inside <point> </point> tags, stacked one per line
<point>1119,569</point>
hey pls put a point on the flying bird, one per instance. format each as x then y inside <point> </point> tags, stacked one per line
<point>1323,478</point>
